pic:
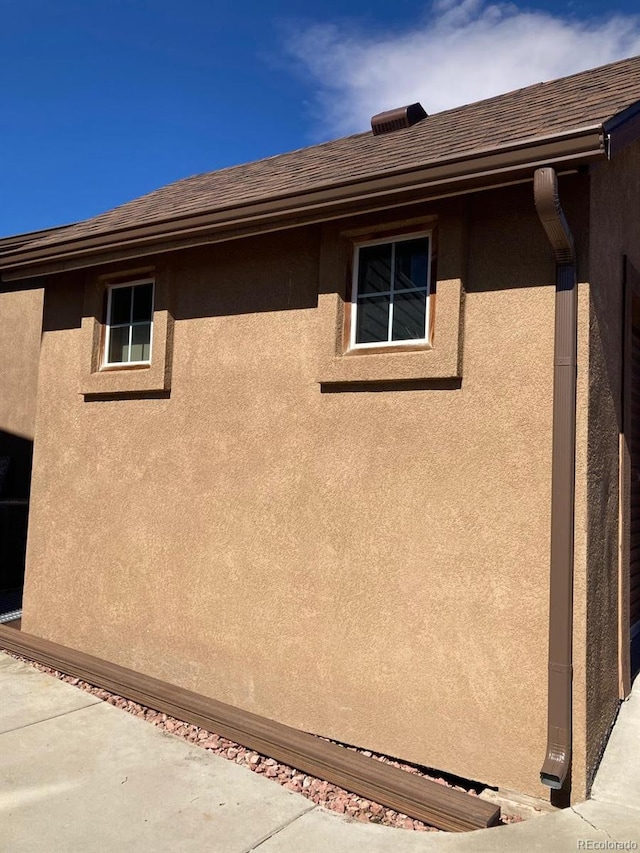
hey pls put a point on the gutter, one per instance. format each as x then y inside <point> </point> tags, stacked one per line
<point>555,772</point>
<point>459,172</point>
<point>15,241</point>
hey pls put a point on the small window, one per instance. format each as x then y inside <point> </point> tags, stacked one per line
<point>129,324</point>
<point>390,302</point>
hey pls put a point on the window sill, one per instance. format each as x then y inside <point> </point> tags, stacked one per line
<point>137,365</point>
<point>438,360</point>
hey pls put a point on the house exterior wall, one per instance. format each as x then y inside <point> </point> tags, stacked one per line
<point>371,564</point>
<point>20,327</point>
<point>615,232</point>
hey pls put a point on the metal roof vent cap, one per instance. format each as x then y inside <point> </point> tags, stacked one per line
<point>396,119</point>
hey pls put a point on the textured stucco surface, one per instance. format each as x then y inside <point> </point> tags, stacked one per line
<point>370,566</point>
<point>20,326</point>
<point>615,190</point>
<point>20,329</point>
<point>579,724</point>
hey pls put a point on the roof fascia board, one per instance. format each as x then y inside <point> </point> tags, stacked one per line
<point>26,275</point>
<point>15,240</point>
<point>481,169</point>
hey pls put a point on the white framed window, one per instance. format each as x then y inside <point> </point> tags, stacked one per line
<point>390,292</point>
<point>129,323</point>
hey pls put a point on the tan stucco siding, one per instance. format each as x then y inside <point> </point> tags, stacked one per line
<point>367,565</point>
<point>20,327</point>
<point>615,231</point>
<point>579,710</point>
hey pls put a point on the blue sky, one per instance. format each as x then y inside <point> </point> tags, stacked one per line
<point>105,100</point>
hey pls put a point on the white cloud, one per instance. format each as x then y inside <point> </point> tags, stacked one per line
<point>462,51</point>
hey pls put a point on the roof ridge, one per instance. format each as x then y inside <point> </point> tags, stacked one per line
<point>539,85</point>
<point>367,133</point>
<point>548,109</point>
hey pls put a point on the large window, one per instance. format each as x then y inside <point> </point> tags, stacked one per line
<point>129,323</point>
<point>390,297</point>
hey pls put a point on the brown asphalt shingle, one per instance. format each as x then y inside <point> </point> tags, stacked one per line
<point>580,100</point>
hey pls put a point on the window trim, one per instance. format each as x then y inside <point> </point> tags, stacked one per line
<point>341,368</point>
<point>351,316</point>
<point>123,365</point>
<point>126,379</point>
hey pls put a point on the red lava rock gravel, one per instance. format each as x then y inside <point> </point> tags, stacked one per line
<point>318,791</point>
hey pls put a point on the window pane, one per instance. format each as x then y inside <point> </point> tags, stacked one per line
<point>409,310</point>
<point>142,302</point>
<point>372,320</point>
<point>141,342</point>
<point>120,305</point>
<point>411,263</point>
<point>374,268</point>
<point>119,344</point>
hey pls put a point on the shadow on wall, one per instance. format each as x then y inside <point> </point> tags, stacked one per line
<point>15,479</point>
<point>507,244</point>
<point>635,656</point>
<point>267,273</point>
<point>280,271</point>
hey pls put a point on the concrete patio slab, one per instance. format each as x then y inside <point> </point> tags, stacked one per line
<point>31,696</point>
<point>91,777</point>
<point>618,778</point>
<point>319,831</point>
<point>619,822</point>
<point>322,831</point>
<point>98,779</point>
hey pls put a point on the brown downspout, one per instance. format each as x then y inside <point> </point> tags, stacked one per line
<point>557,762</point>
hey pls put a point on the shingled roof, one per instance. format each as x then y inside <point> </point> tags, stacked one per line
<point>584,100</point>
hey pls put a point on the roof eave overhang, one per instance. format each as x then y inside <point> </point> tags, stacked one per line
<point>622,129</point>
<point>471,171</point>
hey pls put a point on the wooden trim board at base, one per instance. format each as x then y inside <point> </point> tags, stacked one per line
<point>414,796</point>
